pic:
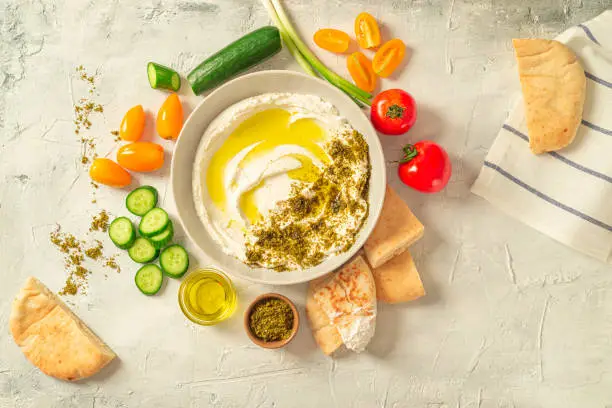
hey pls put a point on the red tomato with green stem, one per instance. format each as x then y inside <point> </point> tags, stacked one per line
<point>425,167</point>
<point>393,112</point>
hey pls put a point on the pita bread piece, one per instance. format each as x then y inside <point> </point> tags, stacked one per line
<point>341,307</point>
<point>398,280</point>
<point>326,335</point>
<point>554,86</point>
<point>52,337</point>
<point>396,230</point>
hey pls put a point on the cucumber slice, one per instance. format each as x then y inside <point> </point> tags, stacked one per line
<point>163,77</point>
<point>122,233</point>
<point>174,261</point>
<point>237,57</point>
<point>163,238</point>
<point>153,222</point>
<point>143,251</point>
<point>141,200</point>
<point>149,279</point>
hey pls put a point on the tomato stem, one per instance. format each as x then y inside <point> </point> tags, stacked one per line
<point>410,152</point>
<point>395,112</point>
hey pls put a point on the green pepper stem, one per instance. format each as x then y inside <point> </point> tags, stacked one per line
<point>410,152</point>
<point>395,112</point>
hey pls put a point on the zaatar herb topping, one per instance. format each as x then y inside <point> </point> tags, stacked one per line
<point>318,217</point>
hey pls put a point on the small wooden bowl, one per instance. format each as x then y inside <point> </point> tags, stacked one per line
<point>271,344</point>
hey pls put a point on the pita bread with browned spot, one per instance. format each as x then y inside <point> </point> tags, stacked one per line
<point>554,87</point>
<point>341,307</point>
<point>396,229</point>
<point>398,280</point>
<point>52,337</point>
<point>326,335</point>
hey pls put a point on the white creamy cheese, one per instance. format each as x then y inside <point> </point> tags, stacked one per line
<point>358,334</point>
<point>264,176</point>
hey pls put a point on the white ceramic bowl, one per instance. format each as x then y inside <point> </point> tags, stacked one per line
<point>227,95</point>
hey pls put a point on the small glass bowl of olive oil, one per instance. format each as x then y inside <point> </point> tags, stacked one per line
<point>207,297</point>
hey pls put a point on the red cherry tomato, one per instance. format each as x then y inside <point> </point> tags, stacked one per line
<point>393,112</point>
<point>425,167</point>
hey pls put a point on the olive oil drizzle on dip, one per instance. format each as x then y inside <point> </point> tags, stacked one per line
<point>259,135</point>
<point>280,181</point>
<point>302,229</point>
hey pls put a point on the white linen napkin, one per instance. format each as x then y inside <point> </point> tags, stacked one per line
<point>566,195</point>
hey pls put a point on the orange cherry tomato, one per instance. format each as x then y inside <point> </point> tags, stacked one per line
<point>332,40</point>
<point>367,31</point>
<point>132,124</point>
<point>141,156</point>
<point>170,118</point>
<point>360,68</point>
<point>388,57</point>
<point>106,171</point>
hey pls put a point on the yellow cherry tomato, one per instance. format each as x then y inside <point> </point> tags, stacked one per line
<point>106,171</point>
<point>367,31</point>
<point>388,57</point>
<point>170,118</point>
<point>133,124</point>
<point>360,68</point>
<point>332,40</point>
<point>141,156</point>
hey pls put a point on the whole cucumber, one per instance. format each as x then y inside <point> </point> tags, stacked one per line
<point>237,57</point>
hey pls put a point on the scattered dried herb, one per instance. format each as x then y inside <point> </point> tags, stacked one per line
<point>84,108</point>
<point>99,222</point>
<point>70,288</point>
<point>95,252</point>
<point>75,252</point>
<point>94,186</point>
<point>115,134</point>
<point>75,259</point>
<point>271,320</point>
<point>77,275</point>
<point>65,242</point>
<point>111,263</point>
<point>88,149</point>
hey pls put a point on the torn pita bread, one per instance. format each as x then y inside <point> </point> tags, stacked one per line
<point>554,86</point>
<point>326,335</point>
<point>396,230</point>
<point>52,337</point>
<point>341,307</point>
<point>398,280</point>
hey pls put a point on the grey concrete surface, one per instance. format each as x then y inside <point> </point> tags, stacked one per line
<point>512,318</point>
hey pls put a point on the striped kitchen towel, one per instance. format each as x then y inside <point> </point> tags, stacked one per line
<point>567,194</point>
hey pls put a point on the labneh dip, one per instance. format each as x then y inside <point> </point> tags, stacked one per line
<point>281,181</point>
